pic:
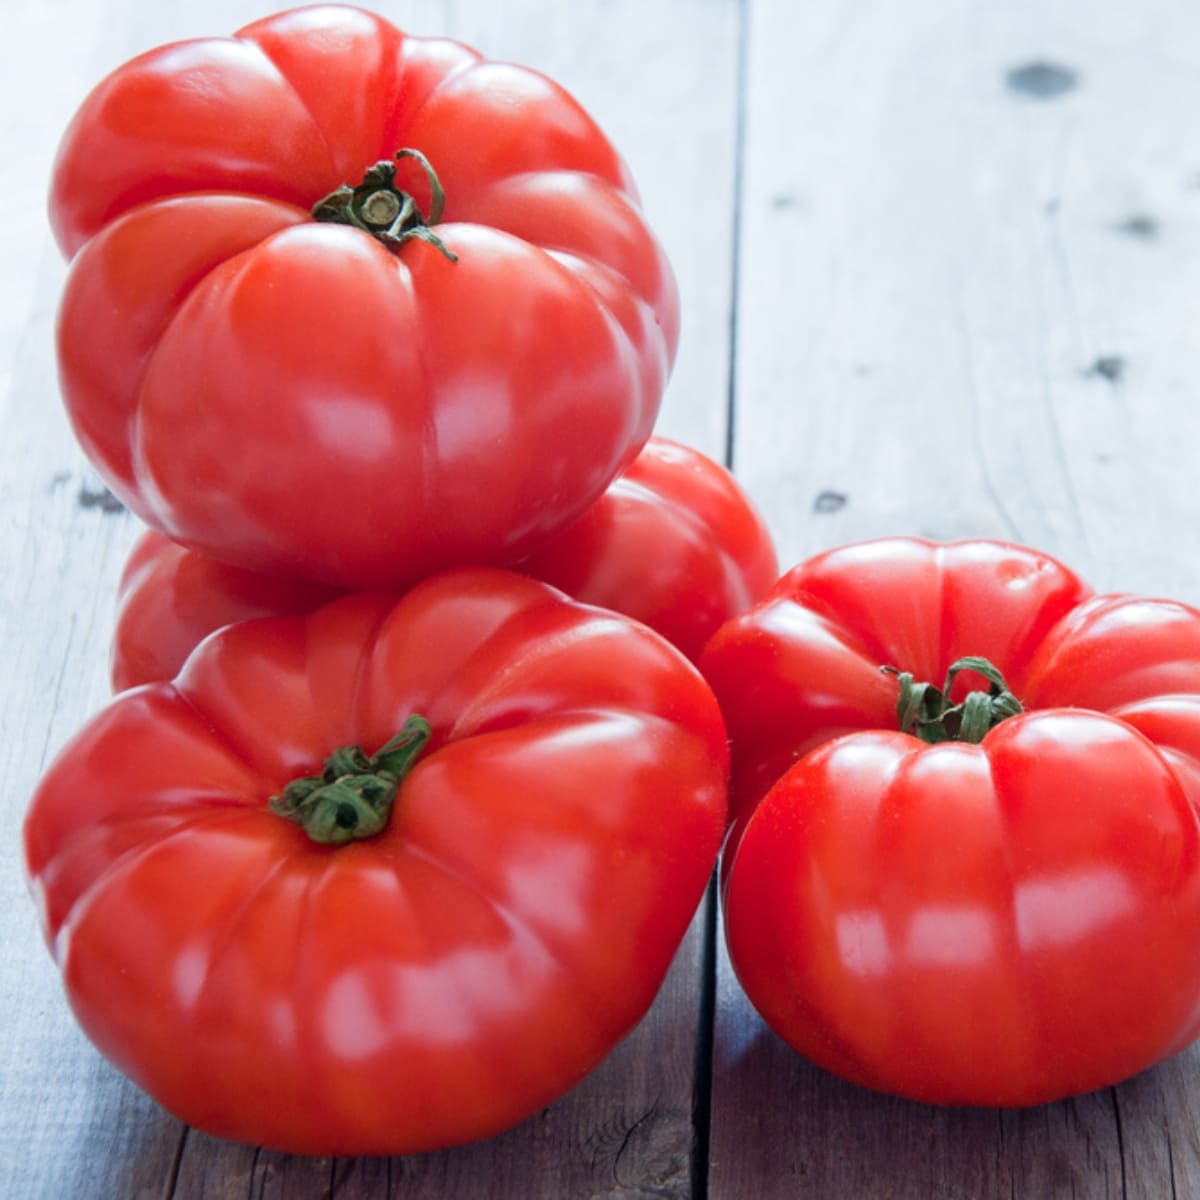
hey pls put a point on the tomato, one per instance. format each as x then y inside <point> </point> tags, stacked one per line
<point>674,542</point>
<point>361,403</point>
<point>1000,903</point>
<point>170,598</point>
<point>433,983</point>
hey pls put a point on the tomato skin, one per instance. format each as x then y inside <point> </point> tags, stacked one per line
<point>171,598</point>
<point>431,985</point>
<point>997,924</point>
<point>674,542</point>
<point>803,665</point>
<point>291,396</point>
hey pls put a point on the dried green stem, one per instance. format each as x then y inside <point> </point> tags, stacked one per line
<point>927,712</point>
<point>352,796</point>
<point>379,207</point>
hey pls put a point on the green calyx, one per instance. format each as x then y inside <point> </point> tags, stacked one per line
<point>352,797</point>
<point>378,207</point>
<point>927,713</point>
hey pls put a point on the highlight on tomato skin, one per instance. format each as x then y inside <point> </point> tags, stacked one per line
<point>290,337</point>
<point>1005,916</point>
<point>674,542</point>
<point>388,876</point>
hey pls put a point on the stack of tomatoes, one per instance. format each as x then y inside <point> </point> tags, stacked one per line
<point>412,785</point>
<point>372,333</point>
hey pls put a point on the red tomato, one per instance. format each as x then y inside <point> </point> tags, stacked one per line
<point>425,986</point>
<point>674,542</point>
<point>295,396</point>
<point>1006,920</point>
<point>170,598</point>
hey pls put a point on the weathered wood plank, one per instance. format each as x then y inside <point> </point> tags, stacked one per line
<point>69,1124</point>
<point>61,552</point>
<point>945,272</point>
<point>969,285</point>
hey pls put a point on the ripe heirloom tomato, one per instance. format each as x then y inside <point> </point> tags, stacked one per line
<point>674,542</point>
<point>981,891</point>
<point>352,305</point>
<point>170,598</point>
<point>245,933</point>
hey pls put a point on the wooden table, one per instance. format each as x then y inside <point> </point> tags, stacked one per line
<point>940,266</point>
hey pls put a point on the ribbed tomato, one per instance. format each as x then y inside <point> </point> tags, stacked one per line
<point>353,305</point>
<point>386,877</point>
<point>981,891</point>
<point>673,542</point>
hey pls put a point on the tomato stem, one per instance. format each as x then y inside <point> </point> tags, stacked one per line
<point>926,712</point>
<point>352,796</point>
<point>378,207</point>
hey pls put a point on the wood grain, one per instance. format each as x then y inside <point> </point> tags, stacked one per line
<point>968,309</point>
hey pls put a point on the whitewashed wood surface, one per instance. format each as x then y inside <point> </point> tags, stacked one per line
<point>940,267</point>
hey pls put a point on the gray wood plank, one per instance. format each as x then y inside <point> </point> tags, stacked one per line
<point>970,277</point>
<point>966,308</point>
<point>59,548</point>
<point>60,556</point>
<point>70,1125</point>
